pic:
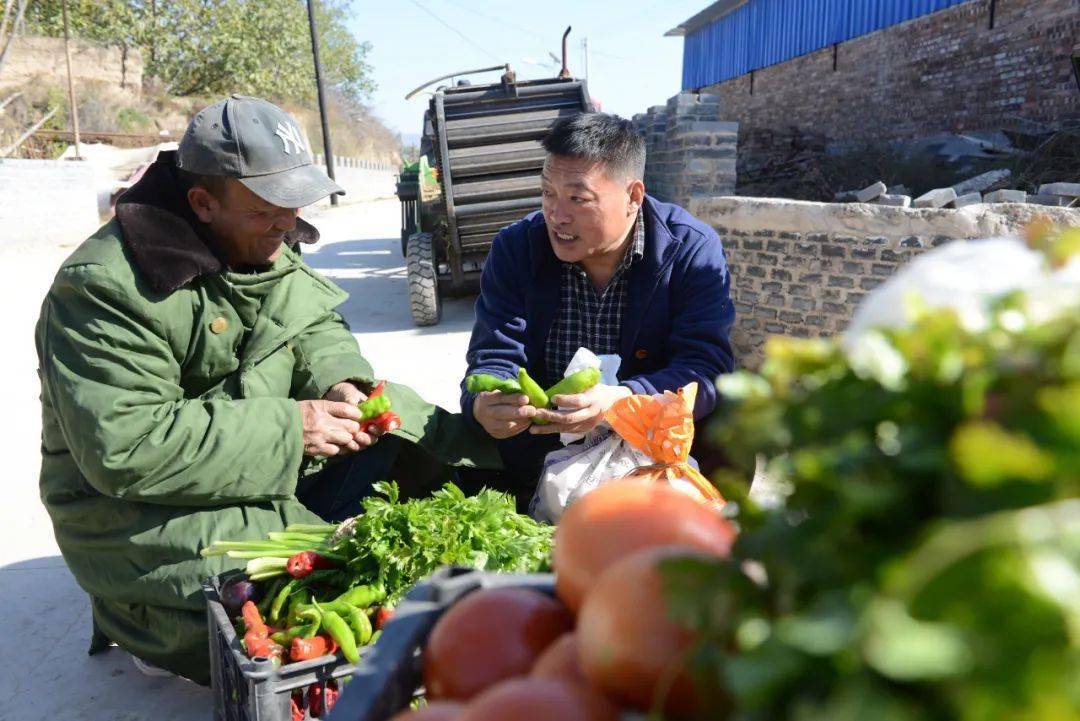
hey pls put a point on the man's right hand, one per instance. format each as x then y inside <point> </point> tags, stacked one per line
<point>503,415</point>
<point>331,427</point>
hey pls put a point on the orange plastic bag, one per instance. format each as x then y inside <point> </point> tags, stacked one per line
<point>662,427</point>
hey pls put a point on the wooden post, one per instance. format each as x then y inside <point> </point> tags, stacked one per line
<point>71,84</point>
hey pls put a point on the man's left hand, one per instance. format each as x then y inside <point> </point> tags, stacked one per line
<point>581,412</point>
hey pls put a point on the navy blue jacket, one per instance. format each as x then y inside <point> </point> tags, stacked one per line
<point>674,330</point>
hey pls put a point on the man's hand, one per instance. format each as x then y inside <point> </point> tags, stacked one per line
<point>580,412</point>
<point>345,392</point>
<point>503,414</point>
<point>331,428</point>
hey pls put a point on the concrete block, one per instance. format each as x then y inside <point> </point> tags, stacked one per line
<point>992,180</point>
<point>867,194</point>
<point>897,190</point>
<point>846,196</point>
<point>937,198</point>
<point>1006,196</point>
<point>966,199</point>
<point>899,201</point>
<point>1057,201</point>
<point>1071,190</point>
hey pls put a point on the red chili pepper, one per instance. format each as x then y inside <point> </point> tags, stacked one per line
<point>320,703</point>
<point>384,614</point>
<point>302,564</point>
<point>304,649</point>
<point>378,389</point>
<point>262,647</point>
<point>253,621</point>
<point>384,423</point>
<point>296,705</point>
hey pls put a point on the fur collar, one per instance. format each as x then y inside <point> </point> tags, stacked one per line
<point>170,246</point>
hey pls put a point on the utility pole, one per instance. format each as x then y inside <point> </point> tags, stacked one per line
<point>585,56</point>
<point>322,96</point>
<point>71,83</point>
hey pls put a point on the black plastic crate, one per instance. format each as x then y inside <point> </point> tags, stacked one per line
<point>387,678</point>
<point>251,689</point>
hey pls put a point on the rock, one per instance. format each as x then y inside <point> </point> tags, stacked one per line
<point>1070,190</point>
<point>937,198</point>
<point>1006,196</point>
<point>867,194</point>
<point>898,190</point>
<point>1058,201</point>
<point>966,199</point>
<point>993,180</point>
<point>900,201</point>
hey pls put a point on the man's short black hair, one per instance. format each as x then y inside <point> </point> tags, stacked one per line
<point>214,184</point>
<point>603,138</point>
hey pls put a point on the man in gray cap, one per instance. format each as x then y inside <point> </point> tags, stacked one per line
<point>198,385</point>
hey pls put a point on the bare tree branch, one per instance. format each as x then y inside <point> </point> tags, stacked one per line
<point>7,34</point>
<point>22,138</point>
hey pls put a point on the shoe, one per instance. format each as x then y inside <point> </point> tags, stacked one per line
<point>148,669</point>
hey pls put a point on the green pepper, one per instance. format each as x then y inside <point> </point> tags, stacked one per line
<point>363,596</point>
<point>271,592</point>
<point>360,625</point>
<point>335,625</point>
<point>285,637</point>
<point>316,621</point>
<point>577,382</point>
<point>481,382</point>
<point>339,607</point>
<point>537,397</point>
<point>281,598</point>
<point>374,406</point>
<point>298,602</point>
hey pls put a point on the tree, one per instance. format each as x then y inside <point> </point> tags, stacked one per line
<point>214,47</point>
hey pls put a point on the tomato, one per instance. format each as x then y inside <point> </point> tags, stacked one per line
<point>488,636</point>
<point>560,660</point>
<point>628,647</point>
<point>625,516</point>
<point>434,711</point>
<point>539,699</point>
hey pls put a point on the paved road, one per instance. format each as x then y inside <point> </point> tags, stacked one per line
<point>45,625</point>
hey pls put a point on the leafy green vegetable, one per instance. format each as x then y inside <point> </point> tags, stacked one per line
<point>398,544</point>
<point>925,564</point>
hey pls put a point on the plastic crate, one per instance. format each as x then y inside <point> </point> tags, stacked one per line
<point>254,690</point>
<point>387,678</point>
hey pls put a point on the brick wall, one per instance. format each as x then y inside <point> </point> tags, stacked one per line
<point>801,268</point>
<point>31,57</point>
<point>943,72</point>
<point>689,153</point>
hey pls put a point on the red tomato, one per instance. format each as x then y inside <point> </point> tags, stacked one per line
<point>628,648</point>
<point>625,516</point>
<point>488,636</point>
<point>539,699</point>
<point>560,661</point>
<point>434,711</point>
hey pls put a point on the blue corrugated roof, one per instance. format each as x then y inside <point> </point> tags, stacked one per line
<point>760,33</point>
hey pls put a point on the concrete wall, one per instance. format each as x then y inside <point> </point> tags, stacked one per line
<point>46,200</point>
<point>361,179</point>
<point>801,268</point>
<point>689,153</point>
<point>944,72</point>
<point>30,57</point>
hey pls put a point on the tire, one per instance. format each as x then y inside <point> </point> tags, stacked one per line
<point>424,301</point>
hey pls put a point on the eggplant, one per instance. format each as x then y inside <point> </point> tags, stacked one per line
<point>236,592</point>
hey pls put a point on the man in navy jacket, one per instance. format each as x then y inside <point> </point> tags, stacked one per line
<point>604,266</point>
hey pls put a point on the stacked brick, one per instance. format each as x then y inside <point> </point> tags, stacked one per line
<point>690,153</point>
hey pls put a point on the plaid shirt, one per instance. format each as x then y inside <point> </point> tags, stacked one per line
<point>587,318</point>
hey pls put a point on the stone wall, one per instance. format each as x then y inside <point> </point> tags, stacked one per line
<point>949,71</point>
<point>801,268</point>
<point>689,153</point>
<point>30,57</point>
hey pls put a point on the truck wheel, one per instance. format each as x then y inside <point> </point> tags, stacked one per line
<point>423,277</point>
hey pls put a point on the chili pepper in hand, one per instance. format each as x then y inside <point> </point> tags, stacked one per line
<point>374,406</point>
<point>483,382</point>
<point>383,423</point>
<point>302,564</point>
<point>577,382</point>
<point>537,397</point>
<point>304,649</point>
<point>378,390</point>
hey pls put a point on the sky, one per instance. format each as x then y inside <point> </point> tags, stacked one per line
<point>631,65</point>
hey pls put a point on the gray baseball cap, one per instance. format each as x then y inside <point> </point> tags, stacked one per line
<point>260,145</point>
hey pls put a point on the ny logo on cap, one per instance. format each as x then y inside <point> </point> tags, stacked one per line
<point>290,136</point>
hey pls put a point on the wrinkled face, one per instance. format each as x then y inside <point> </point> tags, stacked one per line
<point>588,212</point>
<point>249,230</point>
